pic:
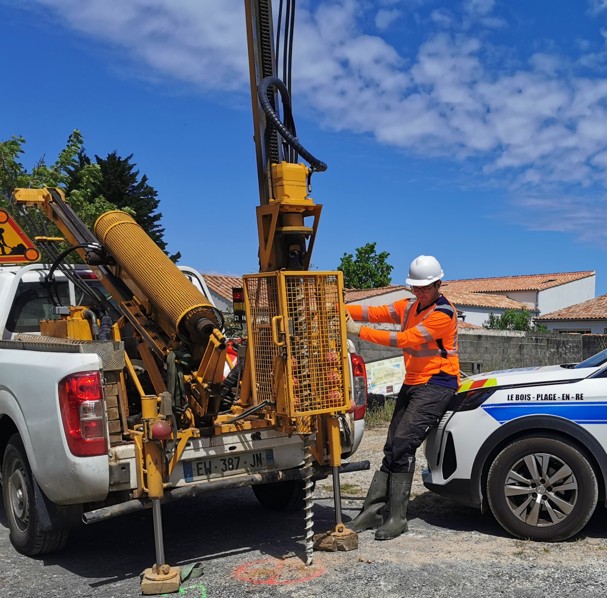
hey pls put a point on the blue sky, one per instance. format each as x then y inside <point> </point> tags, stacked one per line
<point>474,130</point>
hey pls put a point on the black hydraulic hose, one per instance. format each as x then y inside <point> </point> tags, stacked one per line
<point>99,299</point>
<point>262,91</point>
<point>277,43</point>
<point>289,52</point>
<point>285,52</point>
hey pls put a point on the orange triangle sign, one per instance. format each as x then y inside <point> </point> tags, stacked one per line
<point>15,246</point>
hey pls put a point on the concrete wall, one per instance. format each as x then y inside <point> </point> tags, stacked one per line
<point>496,350</point>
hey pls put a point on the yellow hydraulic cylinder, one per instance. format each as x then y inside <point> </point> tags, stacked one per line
<point>153,277</point>
<point>154,461</point>
<point>333,437</point>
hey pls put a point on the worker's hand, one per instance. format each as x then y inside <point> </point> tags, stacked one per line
<point>351,326</point>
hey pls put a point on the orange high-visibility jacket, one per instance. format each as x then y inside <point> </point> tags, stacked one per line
<point>428,337</point>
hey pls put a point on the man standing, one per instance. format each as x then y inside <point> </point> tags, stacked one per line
<point>428,338</point>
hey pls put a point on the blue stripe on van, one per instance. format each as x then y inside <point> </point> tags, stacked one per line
<point>579,412</point>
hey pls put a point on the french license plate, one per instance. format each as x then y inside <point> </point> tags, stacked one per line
<point>227,465</point>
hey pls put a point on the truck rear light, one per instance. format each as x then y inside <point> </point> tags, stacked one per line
<point>82,412</point>
<point>359,371</point>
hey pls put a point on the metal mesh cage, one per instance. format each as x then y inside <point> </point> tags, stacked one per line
<point>261,302</point>
<point>296,326</point>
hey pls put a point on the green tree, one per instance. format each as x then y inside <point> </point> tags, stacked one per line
<point>91,188</point>
<point>121,185</point>
<point>368,270</point>
<point>513,319</point>
<point>83,179</point>
<point>12,172</point>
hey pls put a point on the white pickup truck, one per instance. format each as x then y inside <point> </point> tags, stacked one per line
<point>64,458</point>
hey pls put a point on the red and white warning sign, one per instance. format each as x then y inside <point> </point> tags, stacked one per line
<point>15,245</point>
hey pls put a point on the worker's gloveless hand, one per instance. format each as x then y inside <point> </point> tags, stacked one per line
<point>351,326</point>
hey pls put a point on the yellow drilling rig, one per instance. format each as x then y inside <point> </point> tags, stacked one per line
<point>168,423</point>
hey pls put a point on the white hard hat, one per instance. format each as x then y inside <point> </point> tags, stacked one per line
<point>424,270</point>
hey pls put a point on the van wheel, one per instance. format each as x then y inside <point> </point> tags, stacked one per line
<point>542,488</point>
<point>22,511</point>
<point>288,496</point>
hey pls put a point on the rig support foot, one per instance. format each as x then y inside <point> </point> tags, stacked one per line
<point>340,539</point>
<point>160,579</point>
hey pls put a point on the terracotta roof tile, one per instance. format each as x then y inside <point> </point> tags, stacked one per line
<point>469,326</point>
<point>222,285</point>
<point>454,294</point>
<point>468,299</point>
<point>471,292</point>
<point>524,282</point>
<point>593,309</point>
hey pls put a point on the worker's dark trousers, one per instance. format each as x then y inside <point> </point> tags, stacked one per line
<point>418,409</point>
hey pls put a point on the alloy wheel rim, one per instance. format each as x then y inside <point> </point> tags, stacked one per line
<point>541,490</point>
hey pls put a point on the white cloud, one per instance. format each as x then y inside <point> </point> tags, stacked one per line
<point>549,64</point>
<point>183,40</point>
<point>571,214</point>
<point>540,124</point>
<point>479,11</point>
<point>442,17</point>
<point>597,6</point>
<point>384,18</point>
<point>479,7</point>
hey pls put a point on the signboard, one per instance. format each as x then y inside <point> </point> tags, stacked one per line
<point>15,246</point>
<point>385,377</point>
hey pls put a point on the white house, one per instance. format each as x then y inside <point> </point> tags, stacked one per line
<point>587,317</point>
<point>473,309</point>
<point>221,290</point>
<point>543,293</point>
<point>548,296</point>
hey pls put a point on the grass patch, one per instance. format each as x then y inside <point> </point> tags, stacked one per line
<point>380,415</point>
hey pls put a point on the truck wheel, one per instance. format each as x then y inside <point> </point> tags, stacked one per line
<point>286,496</point>
<point>22,511</point>
<point>542,488</point>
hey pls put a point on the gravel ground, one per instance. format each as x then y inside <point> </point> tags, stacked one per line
<point>245,550</point>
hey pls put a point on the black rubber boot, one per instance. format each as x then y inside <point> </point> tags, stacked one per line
<point>377,497</point>
<point>400,490</point>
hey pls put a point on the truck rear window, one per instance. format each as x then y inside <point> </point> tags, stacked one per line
<point>32,304</point>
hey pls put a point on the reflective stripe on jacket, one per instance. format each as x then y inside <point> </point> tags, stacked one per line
<point>428,338</point>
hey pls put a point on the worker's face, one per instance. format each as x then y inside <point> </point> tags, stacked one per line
<point>428,294</point>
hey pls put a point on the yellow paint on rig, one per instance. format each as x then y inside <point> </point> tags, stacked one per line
<point>151,275</point>
<point>297,334</point>
<point>290,183</point>
<point>31,197</point>
<point>153,466</point>
<point>15,245</point>
<point>73,326</point>
<point>334,438</point>
<point>284,217</point>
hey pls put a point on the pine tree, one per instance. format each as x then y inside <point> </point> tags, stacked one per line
<point>120,185</point>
